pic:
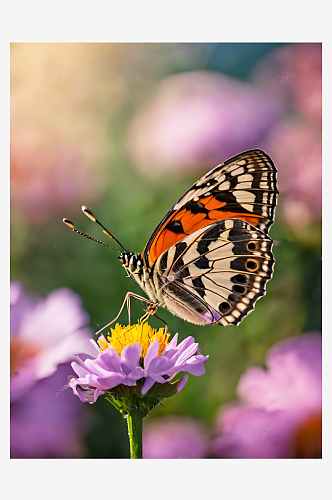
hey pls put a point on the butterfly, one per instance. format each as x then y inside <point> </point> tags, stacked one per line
<point>209,259</point>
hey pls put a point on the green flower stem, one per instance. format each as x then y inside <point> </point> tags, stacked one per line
<point>135,431</point>
<point>130,401</point>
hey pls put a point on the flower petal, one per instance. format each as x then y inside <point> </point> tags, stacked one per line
<point>194,365</point>
<point>190,351</point>
<point>149,381</point>
<point>172,344</point>
<point>95,347</point>
<point>152,353</point>
<point>183,383</point>
<point>109,382</point>
<point>78,369</point>
<point>185,343</point>
<point>109,360</point>
<point>89,395</point>
<point>130,357</point>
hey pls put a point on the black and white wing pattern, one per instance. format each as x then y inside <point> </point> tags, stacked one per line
<point>243,187</point>
<point>216,274</point>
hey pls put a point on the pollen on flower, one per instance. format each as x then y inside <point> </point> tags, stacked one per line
<point>141,333</point>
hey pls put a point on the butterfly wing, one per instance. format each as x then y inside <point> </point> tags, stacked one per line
<point>216,274</point>
<point>243,187</point>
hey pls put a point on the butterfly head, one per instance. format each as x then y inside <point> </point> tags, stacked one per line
<point>131,261</point>
<point>125,257</point>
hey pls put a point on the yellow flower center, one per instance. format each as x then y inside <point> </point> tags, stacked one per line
<point>141,333</point>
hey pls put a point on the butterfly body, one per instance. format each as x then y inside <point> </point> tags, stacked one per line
<point>135,266</point>
<point>209,259</point>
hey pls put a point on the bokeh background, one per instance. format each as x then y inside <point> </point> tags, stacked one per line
<point>126,129</point>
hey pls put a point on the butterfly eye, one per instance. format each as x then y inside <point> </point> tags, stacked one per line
<point>252,265</point>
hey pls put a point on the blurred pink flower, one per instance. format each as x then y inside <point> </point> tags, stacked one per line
<point>297,152</point>
<point>175,437</point>
<point>44,333</point>
<point>294,72</point>
<point>198,119</point>
<point>48,422</point>
<point>279,410</point>
<point>48,178</point>
<point>292,382</point>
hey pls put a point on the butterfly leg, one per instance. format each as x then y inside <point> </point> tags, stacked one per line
<point>127,302</point>
<point>150,310</point>
<point>166,327</point>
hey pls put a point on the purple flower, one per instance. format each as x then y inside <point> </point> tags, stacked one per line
<point>44,333</point>
<point>175,437</point>
<point>133,353</point>
<point>199,118</point>
<point>246,432</point>
<point>279,410</point>
<point>47,422</point>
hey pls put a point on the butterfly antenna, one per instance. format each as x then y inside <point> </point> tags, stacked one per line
<point>89,214</point>
<point>72,226</point>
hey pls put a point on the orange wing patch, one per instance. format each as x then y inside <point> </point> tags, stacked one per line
<point>183,222</point>
<point>244,187</point>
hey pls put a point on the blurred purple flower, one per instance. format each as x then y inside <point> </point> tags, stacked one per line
<point>279,413</point>
<point>175,437</point>
<point>246,432</point>
<point>198,119</point>
<point>107,368</point>
<point>44,333</point>
<point>48,422</point>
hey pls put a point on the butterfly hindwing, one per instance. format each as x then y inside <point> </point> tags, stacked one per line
<point>244,187</point>
<point>216,274</point>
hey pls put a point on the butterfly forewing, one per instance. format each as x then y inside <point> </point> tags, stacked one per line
<point>244,187</point>
<point>216,274</point>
